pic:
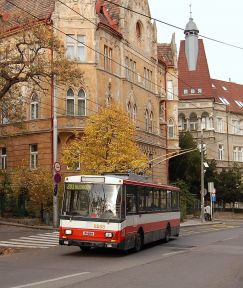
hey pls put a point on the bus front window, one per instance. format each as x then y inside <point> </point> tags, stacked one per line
<point>92,201</point>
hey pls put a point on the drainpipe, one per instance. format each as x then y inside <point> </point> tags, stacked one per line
<point>166,127</point>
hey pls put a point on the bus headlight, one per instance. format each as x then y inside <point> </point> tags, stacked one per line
<point>108,234</point>
<point>68,232</point>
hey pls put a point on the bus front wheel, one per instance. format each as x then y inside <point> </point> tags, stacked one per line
<point>138,242</point>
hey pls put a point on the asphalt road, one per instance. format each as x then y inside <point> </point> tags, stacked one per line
<point>205,256</point>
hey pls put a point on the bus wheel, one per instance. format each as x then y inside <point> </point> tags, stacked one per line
<point>167,235</point>
<point>138,242</point>
<point>85,248</point>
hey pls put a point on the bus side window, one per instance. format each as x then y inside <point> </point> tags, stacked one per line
<point>169,200</point>
<point>175,200</point>
<point>163,200</point>
<point>131,199</point>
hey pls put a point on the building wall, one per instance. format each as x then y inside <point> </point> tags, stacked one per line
<point>101,84</point>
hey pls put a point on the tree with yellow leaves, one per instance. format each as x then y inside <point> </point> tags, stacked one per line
<point>108,145</point>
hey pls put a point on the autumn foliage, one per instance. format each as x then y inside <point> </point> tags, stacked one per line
<point>108,145</point>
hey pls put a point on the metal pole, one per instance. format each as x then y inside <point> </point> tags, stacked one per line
<point>55,195</point>
<point>202,179</point>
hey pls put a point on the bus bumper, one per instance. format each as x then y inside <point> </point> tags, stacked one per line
<point>80,243</point>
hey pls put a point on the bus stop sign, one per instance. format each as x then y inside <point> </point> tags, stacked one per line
<point>57,178</point>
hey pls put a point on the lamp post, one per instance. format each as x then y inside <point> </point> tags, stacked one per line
<point>202,179</point>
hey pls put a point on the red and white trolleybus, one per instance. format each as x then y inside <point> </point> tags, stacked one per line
<point>117,211</point>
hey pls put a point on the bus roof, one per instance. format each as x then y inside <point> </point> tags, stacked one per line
<point>116,179</point>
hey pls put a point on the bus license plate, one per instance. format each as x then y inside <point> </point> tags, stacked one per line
<point>88,233</point>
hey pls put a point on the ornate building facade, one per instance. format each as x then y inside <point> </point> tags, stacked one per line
<point>121,60</point>
<point>207,105</point>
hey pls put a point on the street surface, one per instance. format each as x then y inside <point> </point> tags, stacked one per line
<point>203,256</point>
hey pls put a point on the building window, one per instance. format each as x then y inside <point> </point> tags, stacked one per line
<point>33,156</point>
<point>108,58</point>
<point>146,120</point>
<point>236,127</point>
<point>81,48</point>
<point>171,129</point>
<point>148,75</point>
<point>238,154</point>
<point>185,91</point>
<point>199,90</point>
<point>221,152</point>
<point>170,92</point>
<point>182,122</point>
<point>193,91</point>
<point>70,102</point>
<point>3,158</point>
<point>127,68</point>
<point>205,121</point>
<point>193,122</point>
<point>4,114</point>
<point>220,125</point>
<point>129,109</point>
<point>81,103</point>
<point>134,113</point>
<point>34,107</point>
<point>151,121</point>
<point>138,30</point>
<point>75,47</point>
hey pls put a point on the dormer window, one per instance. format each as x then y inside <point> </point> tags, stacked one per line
<point>213,86</point>
<point>224,101</point>
<point>199,90</point>
<point>185,91</point>
<point>192,91</point>
<point>224,88</point>
<point>239,103</point>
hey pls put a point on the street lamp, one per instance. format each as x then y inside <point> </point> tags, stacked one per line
<point>202,179</point>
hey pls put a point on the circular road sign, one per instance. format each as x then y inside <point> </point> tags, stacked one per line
<point>57,178</point>
<point>57,166</point>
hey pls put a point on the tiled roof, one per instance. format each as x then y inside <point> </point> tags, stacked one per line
<point>211,88</point>
<point>198,79</point>
<point>41,9</point>
<point>113,10</point>
<point>230,91</point>
<point>165,54</point>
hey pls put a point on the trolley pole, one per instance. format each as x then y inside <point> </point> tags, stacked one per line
<point>55,194</point>
<point>202,179</point>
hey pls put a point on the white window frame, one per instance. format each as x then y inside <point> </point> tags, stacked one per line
<point>171,129</point>
<point>33,156</point>
<point>81,99</point>
<point>220,125</point>
<point>170,90</point>
<point>221,152</point>
<point>75,43</point>
<point>68,99</point>
<point>34,107</point>
<point>3,158</point>
<point>81,47</point>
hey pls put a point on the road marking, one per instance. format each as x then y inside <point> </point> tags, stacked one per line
<point>51,280</point>
<point>45,240</point>
<point>172,253</point>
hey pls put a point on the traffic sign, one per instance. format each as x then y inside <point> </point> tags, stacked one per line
<point>57,178</point>
<point>213,197</point>
<point>57,166</point>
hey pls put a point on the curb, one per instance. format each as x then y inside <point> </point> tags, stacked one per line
<point>28,226</point>
<point>201,223</point>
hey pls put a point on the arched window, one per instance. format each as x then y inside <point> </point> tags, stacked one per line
<point>139,30</point>
<point>182,122</point>
<point>70,102</point>
<point>205,124</point>
<point>34,107</point>
<point>81,103</point>
<point>134,113</point>
<point>151,121</point>
<point>193,122</point>
<point>129,109</point>
<point>146,120</point>
<point>171,129</point>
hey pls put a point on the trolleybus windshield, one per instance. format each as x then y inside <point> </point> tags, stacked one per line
<point>92,200</point>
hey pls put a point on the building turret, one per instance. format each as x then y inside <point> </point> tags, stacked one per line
<point>191,44</point>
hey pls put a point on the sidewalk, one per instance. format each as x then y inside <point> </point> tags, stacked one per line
<point>198,222</point>
<point>186,223</point>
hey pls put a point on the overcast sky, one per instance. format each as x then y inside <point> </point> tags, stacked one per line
<point>218,19</point>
